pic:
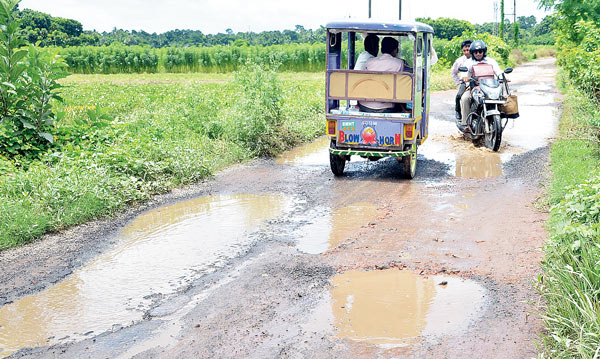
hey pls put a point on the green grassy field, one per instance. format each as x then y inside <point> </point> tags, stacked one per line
<point>124,138</point>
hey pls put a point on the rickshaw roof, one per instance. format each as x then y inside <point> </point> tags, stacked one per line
<point>371,25</point>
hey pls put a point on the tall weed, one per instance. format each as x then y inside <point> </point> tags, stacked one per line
<point>256,119</point>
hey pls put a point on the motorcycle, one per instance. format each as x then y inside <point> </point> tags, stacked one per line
<point>491,106</point>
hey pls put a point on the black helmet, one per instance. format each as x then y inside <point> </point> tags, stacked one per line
<point>478,45</point>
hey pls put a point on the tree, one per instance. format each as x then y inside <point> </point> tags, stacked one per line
<point>526,22</point>
<point>546,26</point>
<point>67,26</point>
<point>574,10</point>
<point>488,27</point>
<point>446,28</point>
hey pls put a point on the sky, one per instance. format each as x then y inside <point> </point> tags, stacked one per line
<point>213,16</point>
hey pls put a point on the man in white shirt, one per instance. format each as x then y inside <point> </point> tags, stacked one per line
<point>461,61</point>
<point>388,62</point>
<point>371,50</point>
<point>478,56</point>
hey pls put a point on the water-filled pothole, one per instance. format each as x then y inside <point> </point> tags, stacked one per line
<point>314,153</point>
<point>159,251</point>
<point>393,308</point>
<point>329,228</point>
<point>478,165</point>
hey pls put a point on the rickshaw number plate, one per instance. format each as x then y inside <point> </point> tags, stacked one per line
<point>375,133</point>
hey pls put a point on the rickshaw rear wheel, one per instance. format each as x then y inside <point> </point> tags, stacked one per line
<point>409,162</point>
<point>336,162</point>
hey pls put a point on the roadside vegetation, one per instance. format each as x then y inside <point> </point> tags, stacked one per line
<point>123,138</point>
<point>571,279</point>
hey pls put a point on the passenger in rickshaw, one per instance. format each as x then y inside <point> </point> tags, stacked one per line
<point>371,50</point>
<point>387,62</point>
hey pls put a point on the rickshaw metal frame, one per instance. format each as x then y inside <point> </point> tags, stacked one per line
<point>334,33</point>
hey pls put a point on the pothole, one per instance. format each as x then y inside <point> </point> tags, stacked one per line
<point>330,227</point>
<point>158,252</point>
<point>395,308</point>
<point>314,153</point>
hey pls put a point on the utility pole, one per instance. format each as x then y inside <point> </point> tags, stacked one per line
<point>399,9</point>
<point>501,19</point>
<point>495,29</point>
<point>369,9</point>
<point>515,25</point>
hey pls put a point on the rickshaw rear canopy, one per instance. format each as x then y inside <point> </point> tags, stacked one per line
<point>371,25</point>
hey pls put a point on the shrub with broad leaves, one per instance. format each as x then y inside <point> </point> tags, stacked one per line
<point>28,86</point>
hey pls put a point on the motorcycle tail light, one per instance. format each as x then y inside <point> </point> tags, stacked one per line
<point>331,127</point>
<point>409,132</point>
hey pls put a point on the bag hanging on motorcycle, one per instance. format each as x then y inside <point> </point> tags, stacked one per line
<point>511,107</point>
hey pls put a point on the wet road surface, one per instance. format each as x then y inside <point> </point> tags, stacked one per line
<point>278,258</point>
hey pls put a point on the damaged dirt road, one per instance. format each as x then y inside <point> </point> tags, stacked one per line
<point>279,259</point>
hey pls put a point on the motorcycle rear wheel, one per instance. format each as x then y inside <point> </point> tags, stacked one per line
<point>494,137</point>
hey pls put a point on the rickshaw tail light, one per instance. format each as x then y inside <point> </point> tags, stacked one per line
<point>409,132</point>
<point>331,127</point>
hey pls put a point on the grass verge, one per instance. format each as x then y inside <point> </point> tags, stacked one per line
<point>571,279</point>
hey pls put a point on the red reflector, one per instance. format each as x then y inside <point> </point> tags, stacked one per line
<point>408,132</point>
<point>331,127</point>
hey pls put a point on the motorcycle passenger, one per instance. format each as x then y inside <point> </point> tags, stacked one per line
<point>478,52</point>
<point>461,61</point>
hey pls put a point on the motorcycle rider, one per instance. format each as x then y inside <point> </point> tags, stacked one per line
<point>478,52</point>
<point>461,61</point>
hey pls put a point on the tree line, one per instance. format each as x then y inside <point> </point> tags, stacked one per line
<point>46,30</point>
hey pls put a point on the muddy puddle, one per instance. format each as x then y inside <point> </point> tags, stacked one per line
<point>314,153</point>
<point>394,308</point>
<point>158,252</point>
<point>329,228</point>
<point>532,130</point>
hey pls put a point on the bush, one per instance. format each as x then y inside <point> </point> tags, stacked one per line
<point>257,119</point>
<point>28,86</point>
<point>582,60</point>
<point>497,49</point>
<point>517,57</point>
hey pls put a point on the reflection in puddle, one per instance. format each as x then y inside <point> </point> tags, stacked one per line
<point>478,165</point>
<point>533,129</point>
<point>314,153</point>
<point>392,308</point>
<point>331,228</point>
<point>159,251</point>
